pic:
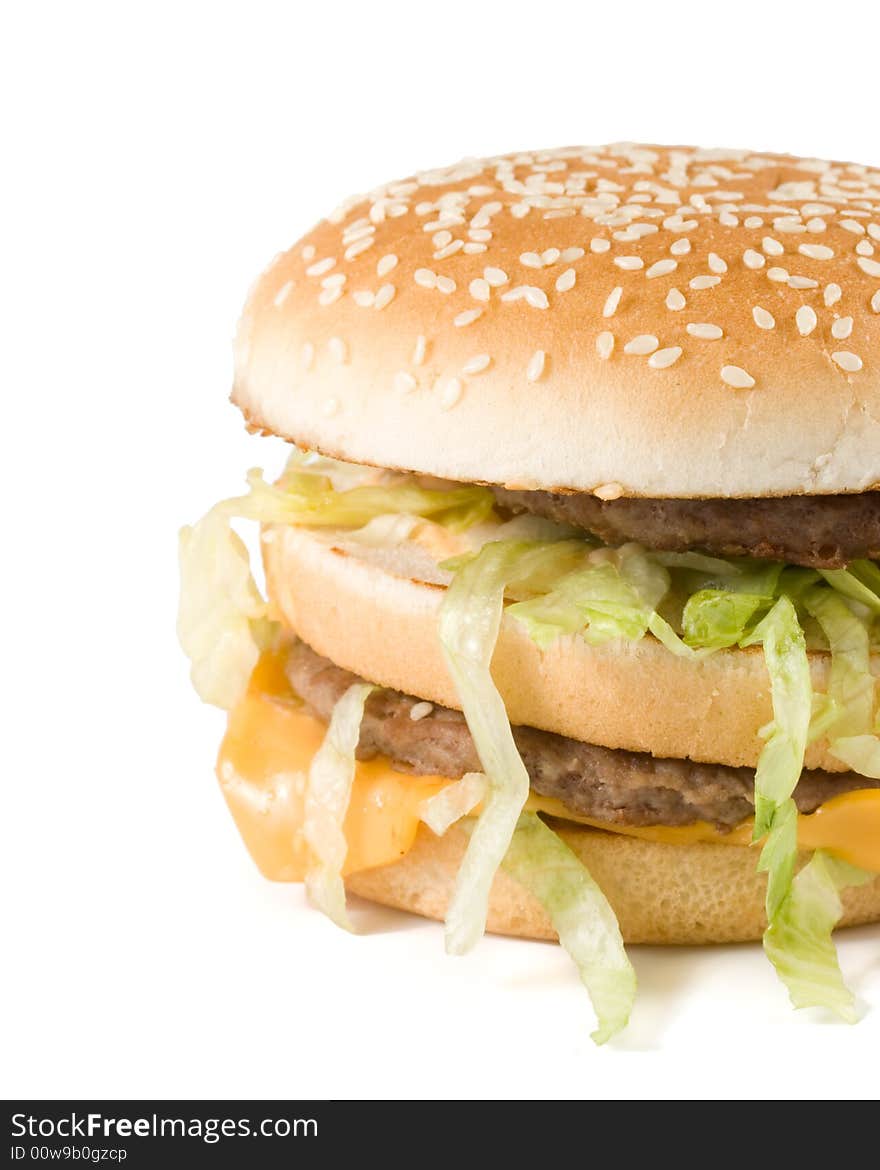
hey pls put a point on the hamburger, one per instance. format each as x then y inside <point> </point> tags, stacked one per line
<point>572,615</point>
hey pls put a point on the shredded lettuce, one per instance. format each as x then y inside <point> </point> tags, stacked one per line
<point>310,500</point>
<point>470,617</point>
<point>328,792</point>
<point>541,862</point>
<point>782,758</point>
<point>798,940</point>
<point>221,617</point>
<point>453,802</point>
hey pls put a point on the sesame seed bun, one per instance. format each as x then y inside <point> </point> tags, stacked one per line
<point>660,893</point>
<point>382,625</point>
<point>629,321</point>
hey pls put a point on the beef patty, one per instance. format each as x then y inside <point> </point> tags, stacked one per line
<point>607,784</point>
<point>819,531</point>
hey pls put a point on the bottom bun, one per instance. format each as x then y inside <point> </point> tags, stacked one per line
<point>672,894</point>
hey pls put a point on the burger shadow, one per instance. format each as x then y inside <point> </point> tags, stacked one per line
<point>665,976</point>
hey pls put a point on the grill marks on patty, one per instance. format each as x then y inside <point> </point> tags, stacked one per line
<point>606,784</point>
<point>818,531</point>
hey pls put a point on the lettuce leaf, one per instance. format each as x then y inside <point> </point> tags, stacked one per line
<point>782,757</point>
<point>470,618</point>
<point>328,792</point>
<point>798,941</point>
<point>221,617</point>
<point>311,501</point>
<point>544,865</point>
<point>453,802</point>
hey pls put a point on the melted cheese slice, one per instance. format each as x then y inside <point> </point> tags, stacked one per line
<point>270,742</point>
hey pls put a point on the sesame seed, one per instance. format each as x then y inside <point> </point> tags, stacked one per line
<point>832,294</point>
<point>675,300</point>
<point>806,320</point>
<point>386,264</point>
<point>569,255</point>
<point>550,256</point>
<point>842,328</point>
<point>425,277</point>
<point>467,317</point>
<point>642,344</point>
<point>754,221</point>
<point>531,260</point>
<point>307,355</point>
<point>282,294</point>
<point>629,263</point>
<point>874,231</point>
<point>384,296</point>
<point>661,268</point>
<point>338,350</point>
<point>308,252</point>
<point>329,296</point>
<point>700,282</point>
<point>772,247</point>
<point>608,491</point>
<point>737,377</point>
<point>763,319</point>
<point>535,368</point>
<point>404,382</point>
<point>612,301</point>
<point>419,710</point>
<point>869,267</point>
<point>476,364</point>
<point>605,345</point>
<point>850,362</point>
<point>359,246</point>
<point>481,235</point>
<point>726,219</point>
<point>664,357</point>
<point>336,279</point>
<point>680,247</point>
<point>473,249</point>
<point>705,331</point>
<point>566,280</point>
<point>599,245</point>
<point>780,275</point>
<point>816,251</point>
<point>479,289</point>
<point>445,284</point>
<point>536,297</point>
<point>864,248</point>
<point>320,266</point>
<point>449,250</point>
<point>853,225</point>
<point>816,225</point>
<point>495,276</point>
<point>802,282</point>
<point>419,350</point>
<point>753,259</point>
<point>363,297</point>
<point>716,264</point>
<point>875,301</point>
<point>451,393</point>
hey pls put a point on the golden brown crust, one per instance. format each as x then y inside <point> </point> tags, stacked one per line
<point>779,255</point>
<point>638,696</point>
<point>667,894</point>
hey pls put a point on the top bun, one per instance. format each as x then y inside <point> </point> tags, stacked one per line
<point>625,320</point>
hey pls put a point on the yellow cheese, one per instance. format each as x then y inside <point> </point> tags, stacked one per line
<point>270,741</point>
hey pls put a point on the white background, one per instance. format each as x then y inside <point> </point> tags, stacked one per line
<point>156,156</point>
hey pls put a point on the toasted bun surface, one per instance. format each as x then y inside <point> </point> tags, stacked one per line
<point>644,321</point>
<point>660,893</point>
<point>621,695</point>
